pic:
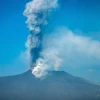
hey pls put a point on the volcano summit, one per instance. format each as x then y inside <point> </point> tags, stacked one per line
<point>57,85</point>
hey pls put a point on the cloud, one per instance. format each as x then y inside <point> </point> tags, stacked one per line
<point>74,50</point>
<point>63,48</point>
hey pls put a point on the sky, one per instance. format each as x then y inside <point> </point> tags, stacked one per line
<point>82,17</point>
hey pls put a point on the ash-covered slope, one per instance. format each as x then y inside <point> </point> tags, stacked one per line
<point>55,86</point>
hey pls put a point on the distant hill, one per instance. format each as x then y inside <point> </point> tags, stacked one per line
<point>57,85</point>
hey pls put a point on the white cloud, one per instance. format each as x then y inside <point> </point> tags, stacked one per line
<point>63,48</point>
<point>74,50</point>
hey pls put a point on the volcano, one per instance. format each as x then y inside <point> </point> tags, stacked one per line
<point>57,85</point>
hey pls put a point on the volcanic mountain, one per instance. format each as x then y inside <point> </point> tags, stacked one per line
<point>57,85</point>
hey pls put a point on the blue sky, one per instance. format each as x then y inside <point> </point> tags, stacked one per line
<point>77,15</point>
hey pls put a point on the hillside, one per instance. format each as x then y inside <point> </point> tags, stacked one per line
<point>57,85</point>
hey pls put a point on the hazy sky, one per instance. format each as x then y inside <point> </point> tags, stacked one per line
<point>77,15</point>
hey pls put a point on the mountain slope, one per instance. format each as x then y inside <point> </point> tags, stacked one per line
<point>55,86</point>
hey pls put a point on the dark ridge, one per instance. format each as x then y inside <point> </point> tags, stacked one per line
<point>57,85</point>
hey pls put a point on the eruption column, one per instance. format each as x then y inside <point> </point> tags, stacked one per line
<point>37,12</point>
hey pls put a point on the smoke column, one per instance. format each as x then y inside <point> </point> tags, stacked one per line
<point>37,12</point>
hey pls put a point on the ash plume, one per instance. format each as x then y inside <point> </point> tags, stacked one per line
<point>37,13</point>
